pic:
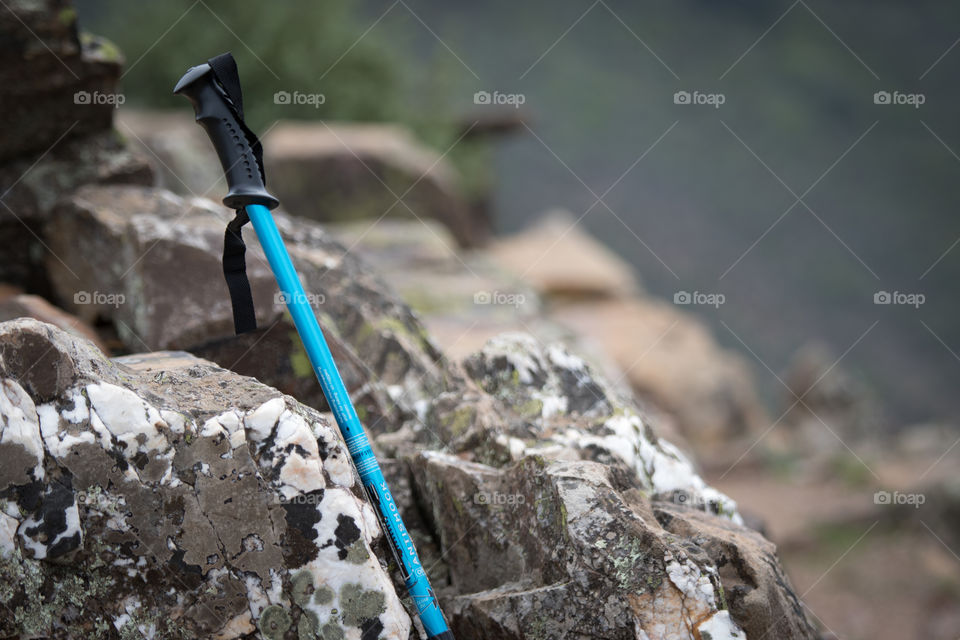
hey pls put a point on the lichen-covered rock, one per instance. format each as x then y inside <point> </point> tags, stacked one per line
<point>547,401</point>
<point>562,514</point>
<point>162,496</point>
<point>156,259</point>
<point>557,550</point>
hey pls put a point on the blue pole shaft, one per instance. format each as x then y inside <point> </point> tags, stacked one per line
<point>350,428</point>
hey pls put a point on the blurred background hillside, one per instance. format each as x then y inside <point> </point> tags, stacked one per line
<point>712,206</point>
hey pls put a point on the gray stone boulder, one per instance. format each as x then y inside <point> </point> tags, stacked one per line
<point>555,511</point>
<point>162,496</point>
<point>150,262</point>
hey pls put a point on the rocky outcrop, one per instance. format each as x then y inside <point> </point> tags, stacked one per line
<point>150,262</point>
<point>570,556</point>
<point>562,514</point>
<point>167,495</point>
<point>58,94</point>
<point>49,75</point>
<point>160,495</point>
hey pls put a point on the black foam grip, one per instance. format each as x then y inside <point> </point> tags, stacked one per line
<point>222,119</point>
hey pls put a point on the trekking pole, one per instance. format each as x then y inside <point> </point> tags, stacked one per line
<point>214,90</point>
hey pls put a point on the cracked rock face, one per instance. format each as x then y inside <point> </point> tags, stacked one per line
<point>161,496</point>
<point>575,557</point>
<point>572,519</point>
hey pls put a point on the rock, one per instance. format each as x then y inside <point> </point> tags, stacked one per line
<point>35,186</point>
<point>550,471</point>
<point>755,588</point>
<point>702,394</point>
<point>57,93</point>
<point>547,401</point>
<point>52,79</point>
<point>163,495</point>
<point>29,306</point>
<point>580,556</point>
<point>150,261</point>
<point>558,259</point>
<point>275,355</point>
<point>357,171</point>
<point>672,360</point>
<point>462,297</point>
<point>543,526</point>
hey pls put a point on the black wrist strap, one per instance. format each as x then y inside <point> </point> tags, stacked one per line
<point>235,273</point>
<point>224,69</point>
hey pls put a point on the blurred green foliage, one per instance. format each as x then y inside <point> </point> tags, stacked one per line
<point>292,46</point>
